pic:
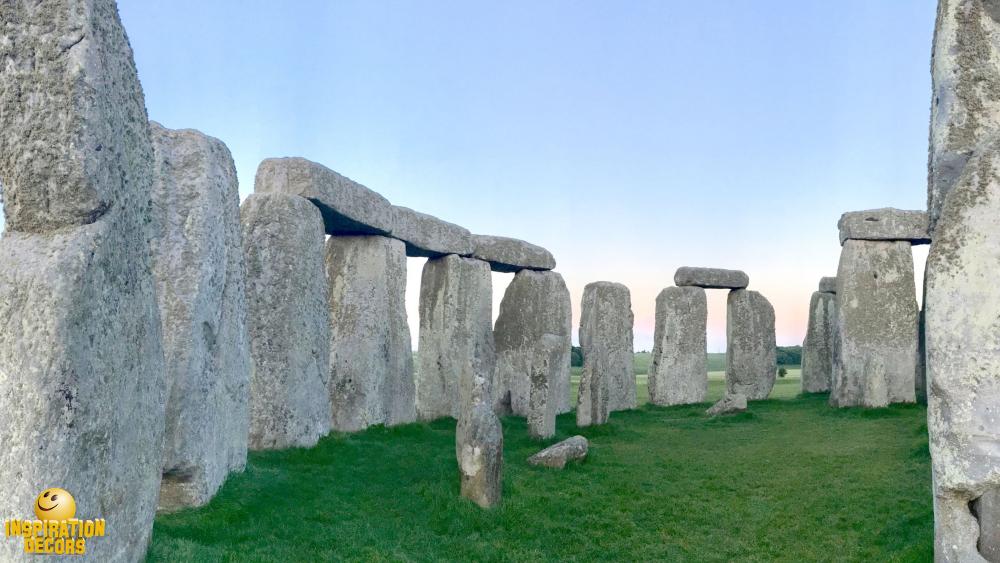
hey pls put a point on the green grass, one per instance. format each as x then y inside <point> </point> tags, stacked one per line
<point>791,480</point>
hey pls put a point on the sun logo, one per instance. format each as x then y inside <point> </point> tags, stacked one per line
<point>55,504</point>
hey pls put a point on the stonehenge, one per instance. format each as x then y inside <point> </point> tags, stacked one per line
<point>875,343</point>
<point>750,345</point>
<point>558,455</point>
<point>961,299</point>
<point>288,321</point>
<point>535,309</point>
<point>83,364</point>
<point>817,350</point>
<point>456,335</point>
<point>678,369</point>
<point>371,362</point>
<point>608,380</point>
<point>200,281</point>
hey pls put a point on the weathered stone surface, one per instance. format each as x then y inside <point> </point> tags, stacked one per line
<point>884,224</point>
<point>348,208</point>
<point>81,363</point>
<point>288,320</point>
<point>678,371</point>
<point>729,404</point>
<point>371,361</point>
<point>535,304</point>
<point>456,335</point>
<point>428,236</point>
<point>608,380</point>
<point>828,284</point>
<point>541,413</point>
<point>711,278</point>
<point>965,106</point>
<point>961,308</point>
<point>817,351</point>
<point>557,455</point>
<point>920,378</point>
<point>511,255</point>
<point>876,337</point>
<point>479,448</point>
<point>201,288</point>
<point>750,345</point>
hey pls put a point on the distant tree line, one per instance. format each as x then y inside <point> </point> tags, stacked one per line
<point>786,355</point>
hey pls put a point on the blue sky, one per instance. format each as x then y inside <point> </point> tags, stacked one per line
<point>628,138</point>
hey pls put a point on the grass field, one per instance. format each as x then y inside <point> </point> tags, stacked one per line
<point>791,480</point>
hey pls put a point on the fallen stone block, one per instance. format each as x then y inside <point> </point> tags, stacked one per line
<point>557,455</point>
<point>884,224</point>
<point>711,278</point>
<point>511,255</point>
<point>730,404</point>
<point>348,208</point>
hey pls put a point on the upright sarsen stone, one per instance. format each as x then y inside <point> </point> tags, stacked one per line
<point>965,106</point>
<point>81,363</point>
<point>678,371</point>
<point>608,380</point>
<point>750,345</point>
<point>535,304</point>
<point>817,351</point>
<point>876,338</point>
<point>962,305</point>
<point>201,288</point>
<point>479,447</point>
<point>288,320</point>
<point>456,335</point>
<point>541,415</point>
<point>371,361</point>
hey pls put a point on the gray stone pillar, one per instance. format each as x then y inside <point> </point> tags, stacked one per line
<point>678,371</point>
<point>456,335</point>
<point>201,288</point>
<point>288,319</point>
<point>541,413</point>
<point>876,339</point>
<point>817,351</point>
<point>608,379</point>
<point>479,446</point>
<point>750,345</point>
<point>80,352</point>
<point>536,304</point>
<point>371,358</point>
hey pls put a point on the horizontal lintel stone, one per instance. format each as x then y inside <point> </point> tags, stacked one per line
<point>711,278</point>
<point>428,236</point>
<point>511,255</point>
<point>885,224</point>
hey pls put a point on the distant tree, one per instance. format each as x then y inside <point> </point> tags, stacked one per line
<point>576,356</point>
<point>789,355</point>
<point>782,372</point>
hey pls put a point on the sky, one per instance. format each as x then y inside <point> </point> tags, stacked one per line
<point>628,138</point>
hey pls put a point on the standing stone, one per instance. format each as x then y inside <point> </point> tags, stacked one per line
<point>817,351</point>
<point>678,372</point>
<point>961,309</point>
<point>479,448</point>
<point>536,304</point>
<point>288,321</point>
<point>608,380</point>
<point>371,358</point>
<point>750,345</point>
<point>201,288</point>
<point>876,338</point>
<point>541,413</point>
<point>81,362</point>
<point>456,335</point>
<point>965,106</point>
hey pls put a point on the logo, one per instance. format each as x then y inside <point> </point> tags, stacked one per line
<point>56,531</point>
